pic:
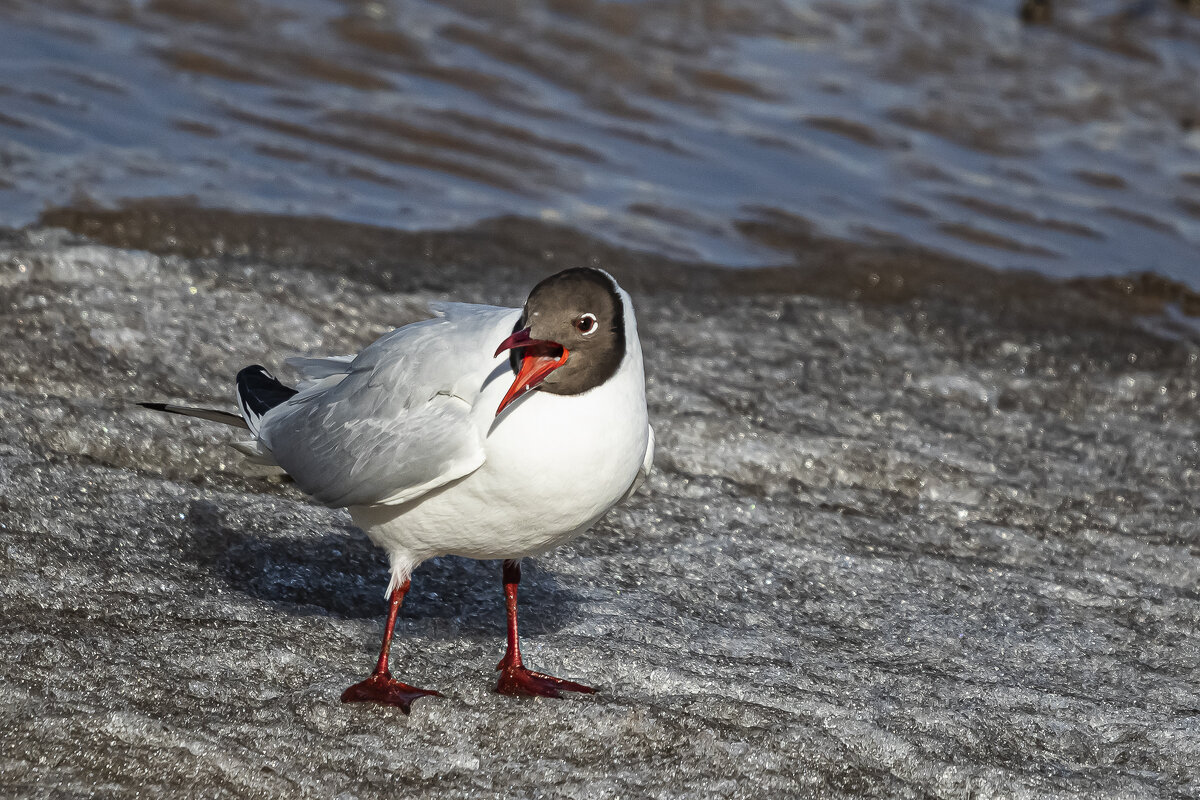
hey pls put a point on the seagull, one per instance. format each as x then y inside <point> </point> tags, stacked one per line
<point>485,432</point>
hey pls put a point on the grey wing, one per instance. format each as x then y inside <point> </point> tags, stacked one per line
<point>313,371</point>
<point>397,421</point>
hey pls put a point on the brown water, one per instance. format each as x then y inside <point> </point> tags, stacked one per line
<point>706,130</point>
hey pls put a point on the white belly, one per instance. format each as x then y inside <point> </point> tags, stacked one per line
<point>554,464</point>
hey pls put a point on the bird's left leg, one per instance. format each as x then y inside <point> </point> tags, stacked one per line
<point>381,687</point>
<point>514,677</point>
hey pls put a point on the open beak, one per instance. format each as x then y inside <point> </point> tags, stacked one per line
<point>539,358</point>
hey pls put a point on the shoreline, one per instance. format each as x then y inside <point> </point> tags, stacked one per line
<point>823,266</point>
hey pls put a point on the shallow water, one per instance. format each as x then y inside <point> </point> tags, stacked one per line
<point>701,130</point>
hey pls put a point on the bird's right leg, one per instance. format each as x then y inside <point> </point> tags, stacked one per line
<point>515,678</point>
<point>381,687</point>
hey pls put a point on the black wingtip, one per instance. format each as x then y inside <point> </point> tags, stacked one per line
<point>154,406</point>
<point>253,371</point>
<point>259,392</point>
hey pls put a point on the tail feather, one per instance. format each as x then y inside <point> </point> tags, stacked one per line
<point>255,453</point>
<point>211,414</point>
<point>257,393</point>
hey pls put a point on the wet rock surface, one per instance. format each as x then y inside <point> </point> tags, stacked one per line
<point>928,547</point>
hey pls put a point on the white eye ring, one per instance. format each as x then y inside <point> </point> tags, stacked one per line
<point>586,324</point>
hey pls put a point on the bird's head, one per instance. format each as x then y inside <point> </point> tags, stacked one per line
<point>570,338</point>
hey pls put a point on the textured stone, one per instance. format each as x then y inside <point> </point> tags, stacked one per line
<point>931,548</point>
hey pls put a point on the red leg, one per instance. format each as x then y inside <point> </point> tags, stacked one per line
<point>514,677</point>
<point>381,687</point>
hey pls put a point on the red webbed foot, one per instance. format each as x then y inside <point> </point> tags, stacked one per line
<point>517,680</point>
<point>514,677</point>
<point>383,688</point>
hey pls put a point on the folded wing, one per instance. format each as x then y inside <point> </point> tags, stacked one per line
<point>396,421</point>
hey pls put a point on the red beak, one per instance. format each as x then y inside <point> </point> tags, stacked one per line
<point>539,358</point>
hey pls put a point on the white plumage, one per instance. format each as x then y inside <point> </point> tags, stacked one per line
<point>405,436</point>
<point>437,448</point>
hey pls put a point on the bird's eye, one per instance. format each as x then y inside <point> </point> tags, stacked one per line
<point>586,324</point>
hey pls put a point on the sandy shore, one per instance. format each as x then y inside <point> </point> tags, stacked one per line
<point>916,529</point>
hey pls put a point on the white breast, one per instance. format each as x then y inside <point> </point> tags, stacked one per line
<point>554,464</point>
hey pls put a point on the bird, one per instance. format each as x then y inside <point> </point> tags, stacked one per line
<point>485,432</point>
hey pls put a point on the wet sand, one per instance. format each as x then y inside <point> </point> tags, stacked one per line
<point>920,529</point>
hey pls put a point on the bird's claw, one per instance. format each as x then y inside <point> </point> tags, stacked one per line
<point>383,688</point>
<point>517,680</point>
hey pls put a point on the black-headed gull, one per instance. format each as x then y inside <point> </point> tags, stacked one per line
<point>485,432</point>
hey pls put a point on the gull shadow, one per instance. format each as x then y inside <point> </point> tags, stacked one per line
<point>341,573</point>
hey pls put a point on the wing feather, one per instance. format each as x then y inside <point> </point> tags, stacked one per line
<point>318,371</point>
<point>396,421</point>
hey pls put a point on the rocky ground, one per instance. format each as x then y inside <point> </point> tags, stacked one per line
<point>915,530</point>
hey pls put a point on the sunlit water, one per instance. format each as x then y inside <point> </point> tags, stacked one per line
<point>1069,148</point>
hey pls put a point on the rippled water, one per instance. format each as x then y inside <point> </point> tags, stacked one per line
<point>703,129</point>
